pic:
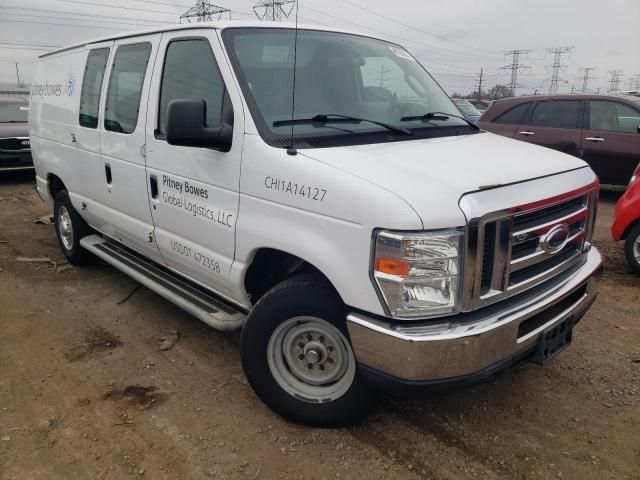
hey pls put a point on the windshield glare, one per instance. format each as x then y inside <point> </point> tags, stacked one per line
<point>467,108</point>
<point>335,74</point>
<point>13,112</point>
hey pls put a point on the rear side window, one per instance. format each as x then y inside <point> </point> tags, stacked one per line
<point>514,115</point>
<point>557,113</point>
<point>190,71</point>
<point>92,86</point>
<point>613,117</point>
<point>125,87</point>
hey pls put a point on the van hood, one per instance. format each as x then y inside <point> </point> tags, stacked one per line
<point>432,174</point>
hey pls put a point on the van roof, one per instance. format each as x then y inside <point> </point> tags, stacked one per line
<point>217,25</point>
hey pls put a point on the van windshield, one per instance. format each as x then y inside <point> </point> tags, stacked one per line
<point>336,75</point>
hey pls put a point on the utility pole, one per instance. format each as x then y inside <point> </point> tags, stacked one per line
<point>479,83</point>
<point>204,11</point>
<point>20,84</point>
<point>515,67</point>
<point>557,66</point>
<point>381,76</point>
<point>274,10</point>
<point>614,80</point>
<point>586,77</point>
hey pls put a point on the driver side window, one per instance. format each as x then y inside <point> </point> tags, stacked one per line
<point>190,71</point>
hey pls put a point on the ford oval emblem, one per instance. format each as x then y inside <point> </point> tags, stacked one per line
<point>555,239</point>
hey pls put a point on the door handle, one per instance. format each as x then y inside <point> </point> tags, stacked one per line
<point>107,173</point>
<point>595,139</point>
<point>153,186</point>
<point>527,133</point>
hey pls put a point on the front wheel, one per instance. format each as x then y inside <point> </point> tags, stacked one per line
<point>297,356</point>
<point>70,228</point>
<point>632,248</point>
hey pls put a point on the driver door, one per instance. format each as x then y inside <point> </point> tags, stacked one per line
<point>193,192</point>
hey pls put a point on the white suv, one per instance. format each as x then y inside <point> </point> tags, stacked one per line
<point>360,231</point>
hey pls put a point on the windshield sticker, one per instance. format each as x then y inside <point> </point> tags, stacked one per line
<point>294,189</point>
<point>275,54</point>
<point>399,52</point>
<point>185,195</point>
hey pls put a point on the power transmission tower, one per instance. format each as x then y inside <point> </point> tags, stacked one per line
<point>586,77</point>
<point>557,66</point>
<point>274,10</point>
<point>614,81</point>
<point>515,67</point>
<point>479,83</point>
<point>204,11</point>
<point>634,82</point>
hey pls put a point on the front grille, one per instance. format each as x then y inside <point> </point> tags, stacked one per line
<point>14,144</point>
<point>520,247</point>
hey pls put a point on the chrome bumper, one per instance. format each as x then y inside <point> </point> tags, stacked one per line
<point>467,343</point>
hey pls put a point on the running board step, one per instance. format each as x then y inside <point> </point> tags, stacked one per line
<point>201,304</point>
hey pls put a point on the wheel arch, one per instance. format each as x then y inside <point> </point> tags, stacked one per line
<point>55,184</point>
<point>629,227</point>
<point>270,266</point>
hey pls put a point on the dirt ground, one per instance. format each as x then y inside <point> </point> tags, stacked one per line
<point>86,392</point>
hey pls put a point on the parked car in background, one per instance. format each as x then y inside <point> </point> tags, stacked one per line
<point>626,223</point>
<point>468,110</point>
<point>15,149</point>
<point>603,130</point>
<point>481,105</point>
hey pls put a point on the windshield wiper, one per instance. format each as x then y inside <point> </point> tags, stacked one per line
<point>438,116</point>
<point>324,118</point>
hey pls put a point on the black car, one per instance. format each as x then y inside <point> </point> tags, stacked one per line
<point>15,148</point>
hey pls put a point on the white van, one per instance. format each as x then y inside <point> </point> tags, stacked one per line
<point>361,232</point>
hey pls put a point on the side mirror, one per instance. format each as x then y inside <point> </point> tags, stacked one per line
<point>638,128</point>
<point>186,126</point>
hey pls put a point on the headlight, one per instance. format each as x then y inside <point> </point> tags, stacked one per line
<point>418,274</point>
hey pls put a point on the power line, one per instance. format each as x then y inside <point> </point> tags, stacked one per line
<point>614,81</point>
<point>118,22</point>
<point>60,24</point>
<point>557,66</point>
<point>515,68</point>
<point>274,10</point>
<point>424,32</point>
<point>586,77</point>
<point>434,49</point>
<point>204,11</point>
<point>66,12</point>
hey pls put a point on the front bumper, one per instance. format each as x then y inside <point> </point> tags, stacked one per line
<point>466,345</point>
<point>15,160</point>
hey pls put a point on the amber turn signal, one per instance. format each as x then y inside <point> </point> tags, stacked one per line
<point>392,267</point>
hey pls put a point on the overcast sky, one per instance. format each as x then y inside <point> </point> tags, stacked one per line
<point>453,39</point>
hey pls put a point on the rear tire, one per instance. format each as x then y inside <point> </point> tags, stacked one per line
<point>70,228</point>
<point>297,356</point>
<point>632,248</point>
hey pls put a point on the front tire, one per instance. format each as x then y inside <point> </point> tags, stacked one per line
<point>297,356</point>
<point>632,248</point>
<point>70,228</point>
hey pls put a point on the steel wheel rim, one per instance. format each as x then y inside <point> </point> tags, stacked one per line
<point>65,227</point>
<point>311,359</point>
<point>636,249</point>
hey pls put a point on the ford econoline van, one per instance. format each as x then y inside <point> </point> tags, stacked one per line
<point>360,231</point>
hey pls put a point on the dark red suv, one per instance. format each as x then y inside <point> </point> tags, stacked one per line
<point>603,130</point>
